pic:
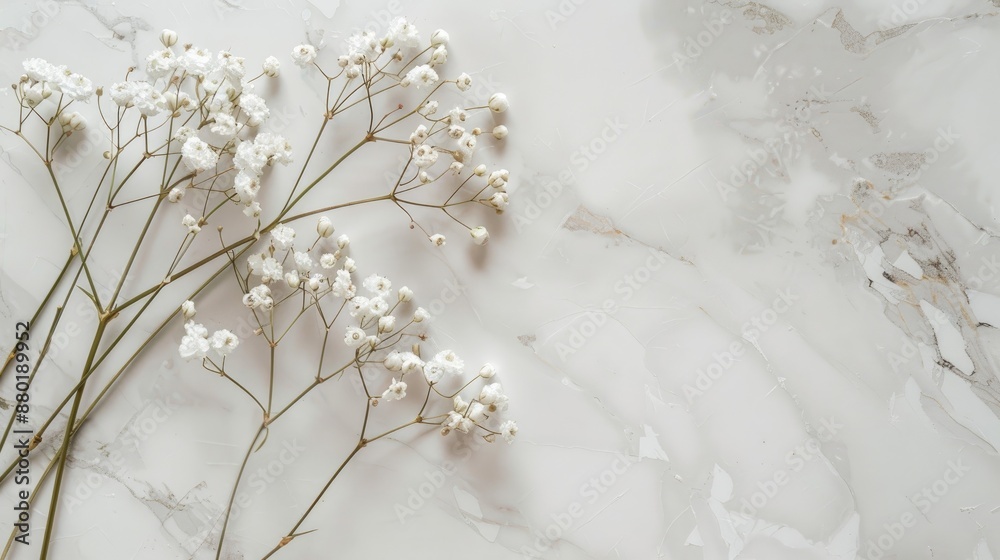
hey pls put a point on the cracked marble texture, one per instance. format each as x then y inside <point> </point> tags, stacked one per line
<point>745,300</point>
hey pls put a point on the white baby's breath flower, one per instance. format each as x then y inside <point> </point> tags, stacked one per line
<point>354,337</point>
<point>377,285</point>
<point>272,271</point>
<point>195,342</point>
<point>449,361</point>
<point>393,361</point>
<point>272,67</point>
<point>258,296</point>
<point>434,372</point>
<point>187,309</point>
<point>196,61</point>
<point>428,108</point>
<point>255,108</point>
<point>191,223</point>
<point>197,155</point>
<point>420,76</point>
<point>403,33</point>
<point>439,37</point>
<point>303,262</point>
<point>419,135</point>
<point>479,235</point>
<point>487,371</point>
<point>498,103</point>
<point>224,342</point>
<point>328,260</point>
<point>304,55</point>
<point>396,391</point>
<point>71,121</point>
<point>342,285</point>
<point>405,294</point>
<point>224,125</point>
<point>282,236</point>
<point>508,429</point>
<point>349,265</point>
<point>439,56</point>
<point>343,241</point>
<point>463,82</point>
<point>160,63</point>
<point>168,37</point>
<point>424,156</point>
<point>175,194</point>
<point>386,324</point>
<point>324,227</point>
<point>292,279</point>
<point>500,132</point>
<point>493,397</point>
<point>438,239</point>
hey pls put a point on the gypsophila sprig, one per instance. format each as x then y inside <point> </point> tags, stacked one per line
<point>189,139</point>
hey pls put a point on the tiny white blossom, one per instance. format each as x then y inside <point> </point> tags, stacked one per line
<point>343,241</point>
<point>493,397</point>
<point>378,285</point>
<point>396,391</point>
<point>191,223</point>
<point>405,294</point>
<point>420,76</point>
<point>479,235</point>
<point>195,342</point>
<point>168,37</point>
<point>282,236</point>
<point>428,108</point>
<point>292,279</point>
<point>187,309</point>
<point>224,342</point>
<point>272,271</point>
<point>272,67</point>
<point>175,194</point>
<point>498,103</point>
<point>463,82</point>
<point>354,337</point>
<point>303,262</point>
<point>439,56</point>
<point>259,296</point>
<point>386,324</point>
<point>328,260</point>
<point>449,361</point>
<point>197,155</point>
<point>437,239</point>
<point>439,37</point>
<point>393,362</point>
<point>255,109</point>
<point>508,429</point>
<point>420,315</point>
<point>424,156</point>
<point>487,371</point>
<point>324,227</point>
<point>500,132</point>
<point>304,55</point>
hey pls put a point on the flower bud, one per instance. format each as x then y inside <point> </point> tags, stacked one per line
<point>500,132</point>
<point>386,324</point>
<point>487,371</point>
<point>420,315</point>
<point>168,37</point>
<point>187,309</point>
<point>439,37</point>
<point>498,103</point>
<point>175,194</point>
<point>324,227</point>
<point>405,294</point>
<point>292,279</point>
<point>480,170</point>
<point>437,239</point>
<point>479,235</point>
<point>343,241</point>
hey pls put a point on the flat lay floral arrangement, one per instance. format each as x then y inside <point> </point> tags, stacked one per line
<point>185,142</point>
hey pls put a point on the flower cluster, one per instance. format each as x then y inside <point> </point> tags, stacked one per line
<point>41,79</point>
<point>324,274</point>
<point>193,85</point>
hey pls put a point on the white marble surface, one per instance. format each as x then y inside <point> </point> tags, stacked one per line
<point>743,300</point>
